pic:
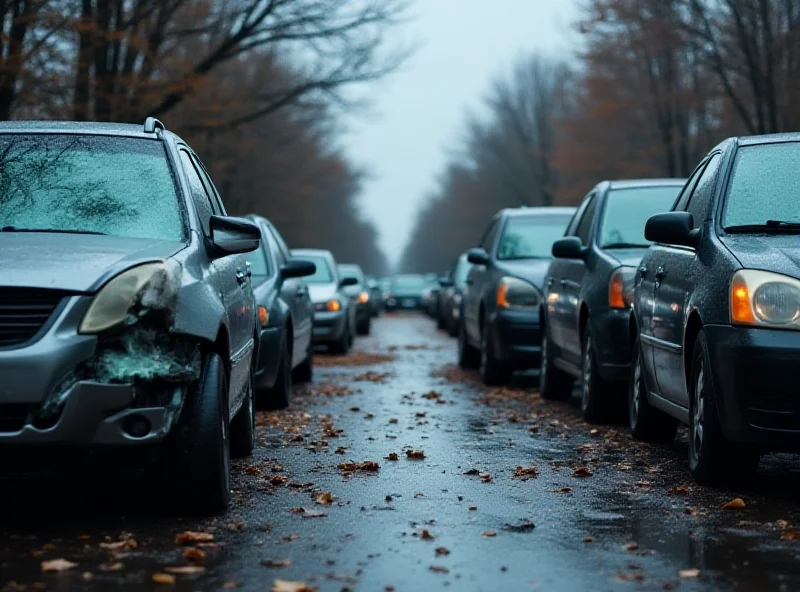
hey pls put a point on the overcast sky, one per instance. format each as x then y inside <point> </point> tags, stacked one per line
<point>418,112</point>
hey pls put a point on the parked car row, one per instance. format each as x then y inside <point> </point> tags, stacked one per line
<point>674,301</point>
<point>136,314</point>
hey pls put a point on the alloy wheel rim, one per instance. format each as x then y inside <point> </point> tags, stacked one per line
<point>587,373</point>
<point>698,427</point>
<point>637,385</point>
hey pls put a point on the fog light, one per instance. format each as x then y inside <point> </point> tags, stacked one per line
<point>136,426</point>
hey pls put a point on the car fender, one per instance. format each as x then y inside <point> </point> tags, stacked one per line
<point>200,311</point>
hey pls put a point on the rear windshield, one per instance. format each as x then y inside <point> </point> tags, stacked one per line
<point>351,271</point>
<point>764,185</point>
<point>91,184</point>
<point>627,211</point>
<point>531,237</point>
<point>409,282</point>
<point>323,274</point>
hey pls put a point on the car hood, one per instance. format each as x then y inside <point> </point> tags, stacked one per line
<point>775,252</point>
<point>629,257</point>
<point>322,292</point>
<point>532,270</point>
<point>73,262</point>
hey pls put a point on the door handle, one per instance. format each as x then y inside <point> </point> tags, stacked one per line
<point>302,292</point>
<point>549,282</point>
<point>660,273</point>
<point>241,277</point>
<point>562,283</point>
<point>643,271</point>
<point>470,282</point>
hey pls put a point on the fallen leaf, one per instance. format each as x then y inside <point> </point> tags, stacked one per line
<point>735,504</point>
<point>191,536</point>
<point>279,479</point>
<point>524,526</point>
<point>582,472</point>
<point>563,490</point>
<point>116,566</point>
<point>194,554</point>
<point>442,551</point>
<point>425,535</point>
<point>87,576</point>
<point>185,570</point>
<point>117,545</point>
<point>306,513</point>
<point>392,456</point>
<point>525,473</point>
<point>325,499</point>
<point>790,535</point>
<point>588,540</point>
<point>472,472</point>
<point>689,573</point>
<point>286,586</point>
<point>351,467</point>
<point>392,420</point>
<point>415,454</point>
<point>277,563</point>
<point>438,569</point>
<point>631,547</point>
<point>489,534</point>
<point>163,578</point>
<point>486,478</point>
<point>57,565</point>
<point>678,491</point>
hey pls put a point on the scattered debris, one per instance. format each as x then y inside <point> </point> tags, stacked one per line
<point>735,504</point>
<point>57,565</point>
<point>524,474</point>
<point>415,454</point>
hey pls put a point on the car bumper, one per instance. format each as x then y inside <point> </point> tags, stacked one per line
<point>329,326</point>
<point>269,355</point>
<point>755,375</point>
<point>610,335</point>
<point>517,338</point>
<point>404,302</point>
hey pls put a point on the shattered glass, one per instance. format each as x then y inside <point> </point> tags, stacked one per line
<point>92,184</point>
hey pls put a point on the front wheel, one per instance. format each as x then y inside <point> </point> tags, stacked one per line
<point>712,458</point>
<point>278,396</point>
<point>647,423</point>
<point>342,346</point>
<point>305,371</point>
<point>468,356</point>
<point>554,383</point>
<point>243,426</point>
<point>365,326</point>
<point>594,390</point>
<point>494,371</point>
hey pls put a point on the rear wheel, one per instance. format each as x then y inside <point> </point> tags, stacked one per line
<point>343,344</point>
<point>554,383</point>
<point>197,455</point>
<point>468,356</point>
<point>305,371</point>
<point>712,458</point>
<point>365,326</point>
<point>243,426</point>
<point>647,423</point>
<point>494,371</point>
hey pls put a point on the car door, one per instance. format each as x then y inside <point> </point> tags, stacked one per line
<point>554,298</point>
<point>235,285</point>
<point>477,281</point>
<point>673,286</point>
<point>572,273</point>
<point>294,292</point>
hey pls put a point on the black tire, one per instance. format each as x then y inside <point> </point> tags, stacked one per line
<point>468,356</point>
<point>365,326</point>
<point>343,345</point>
<point>554,383</point>
<point>647,423</point>
<point>494,372</point>
<point>305,371</point>
<point>441,321</point>
<point>596,403</point>
<point>712,457</point>
<point>278,396</point>
<point>452,326</point>
<point>243,425</point>
<point>196,459</point>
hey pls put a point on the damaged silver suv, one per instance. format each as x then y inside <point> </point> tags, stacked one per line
<point>127,317</point>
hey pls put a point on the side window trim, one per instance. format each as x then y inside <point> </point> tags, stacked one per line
<point>575,223</point>
<point>589,210</point>
<point>487,233</point>
<point>688,189</point>
<point>209,185</point>
<point>184,151</point>
<point>699,178</point>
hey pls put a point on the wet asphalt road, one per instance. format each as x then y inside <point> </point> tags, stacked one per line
<point>456,519</point>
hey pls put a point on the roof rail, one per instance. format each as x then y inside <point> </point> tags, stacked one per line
<point>151,124</point>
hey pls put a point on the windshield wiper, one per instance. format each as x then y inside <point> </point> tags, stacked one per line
<point>58,230</point>
<point>625,246</point>
<point>768,226</point>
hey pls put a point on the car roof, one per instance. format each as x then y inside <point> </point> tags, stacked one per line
<point>313,252</point>
<point>767,139</point>
<point>537,211</point>
<point>631,183</point>
<point>352,266</point>
<point>77,127</point>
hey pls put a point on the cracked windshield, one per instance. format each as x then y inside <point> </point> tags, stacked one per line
<point>399,295</point>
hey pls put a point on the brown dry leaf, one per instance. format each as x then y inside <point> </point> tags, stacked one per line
<point>432,395</point>
<point>631,547</point>
<point>582,472</point>
<point>392,456</point>
<point>438,569</point>
<point>689,573</point>
<point>735,504</point>
<point>563,490</point>
<point>525,473</point>
<point>442,551</point>
<point>231,585</point>
<point>425,535</point>
<point>191,536</point>
<point>415,454</point>
<point>116,566</point>
<point>489,534</point>
<point>588,540</point>
<point>117,545</point>
<point>57,565</point>
<point>163,578</point>
<point>194,554</point>
<point>277,563</point>
<point>473,508</point>
<point>486,478</point>
<point>782,523</point>
<point>279,479</point>
<point>306,513</point>
<point>790,535</point>
<point>286,586</point>
<point>392,420</point>
<point>185,570</point>
<point>678,491</point>
<point>325,499</point>
<point>366,466</point>
<point>87,576</point>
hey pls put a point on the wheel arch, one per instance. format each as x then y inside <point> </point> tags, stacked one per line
<point>693,326</point>
<point>583,320</point>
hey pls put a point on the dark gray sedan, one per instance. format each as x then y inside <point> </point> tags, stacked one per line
<point>127,317</point>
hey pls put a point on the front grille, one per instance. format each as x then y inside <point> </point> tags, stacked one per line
<point>24,311</point>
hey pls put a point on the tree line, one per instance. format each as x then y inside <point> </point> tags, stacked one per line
<point>655,86</point>
<point>254,85</point>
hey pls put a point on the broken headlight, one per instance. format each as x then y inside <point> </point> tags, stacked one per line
<point>152,286</point>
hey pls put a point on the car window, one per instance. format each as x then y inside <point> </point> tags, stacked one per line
<point>259,264</point>
<point>283,249</point>
<point>347,271</point>
<point>626,212</point>
<point>488,237</point>
<point>109,185</point>
<point>704,192</point>
<point>219,208</point>
<point>763,185</point>
<point>686,192</point>
<point>323,274</point>
<point>461,271</point>
<point>409,282</point>
<point>585,225</point>
<point>531,237</point>
<point>201,199</point>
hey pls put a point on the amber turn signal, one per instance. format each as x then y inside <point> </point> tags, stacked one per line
<point>615,288</point>
<point>334,305</point>
<point>263,316</point>
<point>741,309</point>
<point>363,297</point>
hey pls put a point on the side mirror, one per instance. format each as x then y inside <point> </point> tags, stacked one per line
<point>297,268</point>
<point>230,236</point>
<point>569,247</point>
<point>478,256</point>
<point>672,228</point>
<point>445,281</point>
<point>348,281</point>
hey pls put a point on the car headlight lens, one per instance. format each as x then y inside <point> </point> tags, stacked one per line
<point>516,293</point>
<point>151,286</point>
<point>620,287</point>
<point>766,299</point>
<point>333,305</point>
<point>363,298</point>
